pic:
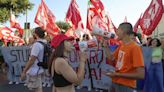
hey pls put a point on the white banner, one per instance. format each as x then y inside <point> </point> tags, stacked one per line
<point>16,58</point>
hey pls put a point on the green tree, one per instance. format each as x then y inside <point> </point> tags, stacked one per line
<point>63,25</point>
<point>17,6</point>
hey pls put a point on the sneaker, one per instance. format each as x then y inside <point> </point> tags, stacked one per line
<point>16,82</point>
<point>49,85</point>
<point>78,87</point>
<point>25,84</point>
<point>10,82</point>
<point>44,85</point>
<point>89,89</point>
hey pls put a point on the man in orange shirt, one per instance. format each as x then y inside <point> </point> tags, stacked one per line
<point>127,60</point>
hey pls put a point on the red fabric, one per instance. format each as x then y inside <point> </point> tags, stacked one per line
<point>96,16</point>
<point>114,42</point>
<point>73,15</point>
<point>71,32</point>
<point>20,30</point>
<point>45,19</point>
<point>111,26</point>
<point>98,6</point>
<point>88,24</point>
<point>59,38</point>
<point>76,45</point>
<point>7,35</point>
<point>15,24</point>
<point>151,17</point>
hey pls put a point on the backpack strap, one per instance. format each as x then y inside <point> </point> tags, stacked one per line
<point>37,57</point>
<point>41,43</point>
<point>43,47</point>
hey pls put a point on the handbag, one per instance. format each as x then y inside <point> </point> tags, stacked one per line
<point>33,82</point>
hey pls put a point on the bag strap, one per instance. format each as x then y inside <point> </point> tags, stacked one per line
<point>42,43</point>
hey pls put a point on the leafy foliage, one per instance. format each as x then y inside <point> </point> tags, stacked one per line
<point>63,25</point>
<point>17,6</point>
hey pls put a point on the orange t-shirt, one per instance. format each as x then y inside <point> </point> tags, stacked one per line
<point>128,57</point>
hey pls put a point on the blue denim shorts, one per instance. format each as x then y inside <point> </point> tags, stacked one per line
<point>120,88</point>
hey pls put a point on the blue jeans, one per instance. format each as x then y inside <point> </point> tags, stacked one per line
<point>163,70</point>
<point>154,78</point>
<point>120,88</point>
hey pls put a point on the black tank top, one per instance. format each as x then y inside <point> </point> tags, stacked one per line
<point>60,81</point>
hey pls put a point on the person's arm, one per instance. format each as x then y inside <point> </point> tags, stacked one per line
<point>109,54</point>
<point>139,73</point>
<point>110,57</point>
<point>29,63</point>
<point>33,56</point>
<point>27,66</point>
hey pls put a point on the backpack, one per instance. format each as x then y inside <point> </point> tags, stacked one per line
<point>46,55</point>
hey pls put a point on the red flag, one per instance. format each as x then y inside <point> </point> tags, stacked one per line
<point>7,35</point>
<point>98,6</point>
<point>110,24</point>
<point>73,16</point>
<point>70,32</point>
<point>96,15</point>
<point>151,17</point>
<point>15,24</point>
<point>45,19</point>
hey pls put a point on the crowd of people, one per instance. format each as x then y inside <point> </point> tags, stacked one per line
<point>130,72</point>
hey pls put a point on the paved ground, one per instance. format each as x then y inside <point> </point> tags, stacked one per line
<point>5,87</point>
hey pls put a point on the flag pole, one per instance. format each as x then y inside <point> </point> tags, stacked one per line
<point>26,17</point>
<point>89,67</point>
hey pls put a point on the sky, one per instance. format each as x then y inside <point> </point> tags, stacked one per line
<point>117,9</point>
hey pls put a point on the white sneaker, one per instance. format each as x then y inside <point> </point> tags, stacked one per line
<point>25,84</point>
<point>10,82</point>
<point>44,85</point>
<point>89,89</point>
<point>49,85</point>
<point>16,82</point>
<point>78,87</point>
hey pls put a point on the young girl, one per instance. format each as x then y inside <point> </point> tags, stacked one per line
<point>64,77</point>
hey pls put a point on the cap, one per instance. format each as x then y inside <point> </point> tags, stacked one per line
<point>58,39</point>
